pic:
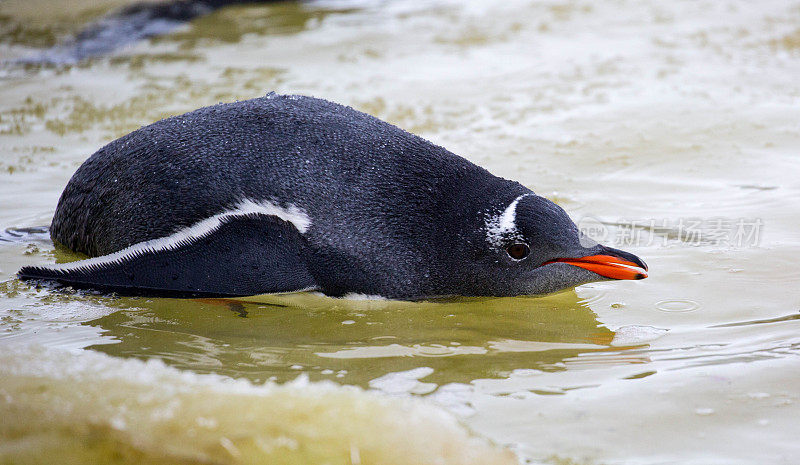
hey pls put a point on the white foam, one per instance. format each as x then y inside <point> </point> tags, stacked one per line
<point>169,415</point>
<point>404,382</point>
<point>634,335</point>
<point>357,296</point>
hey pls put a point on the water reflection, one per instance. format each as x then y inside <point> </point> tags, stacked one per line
<point>354,342</point>
<point>230,24</point>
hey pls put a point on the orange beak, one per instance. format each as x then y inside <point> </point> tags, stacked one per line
<point>607,265</point>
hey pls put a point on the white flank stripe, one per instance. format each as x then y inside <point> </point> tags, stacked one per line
<point>293,215</point>
<point>504,224</point>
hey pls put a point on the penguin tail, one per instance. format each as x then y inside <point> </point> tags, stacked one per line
<point>102,278</point>
<point>40,272</point>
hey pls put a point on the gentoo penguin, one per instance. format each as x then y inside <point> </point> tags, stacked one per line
<point>287,193</point>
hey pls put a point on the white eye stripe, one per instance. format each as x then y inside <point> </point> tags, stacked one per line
<point>500,227</point>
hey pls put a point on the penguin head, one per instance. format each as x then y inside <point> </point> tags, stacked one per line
<point>531,246</point>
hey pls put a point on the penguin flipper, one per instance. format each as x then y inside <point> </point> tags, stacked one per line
<point>244,255</point>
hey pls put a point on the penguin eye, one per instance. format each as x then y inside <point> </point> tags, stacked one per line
<point>518,251</point>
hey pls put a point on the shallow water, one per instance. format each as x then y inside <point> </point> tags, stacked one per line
<point>668,129</point>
